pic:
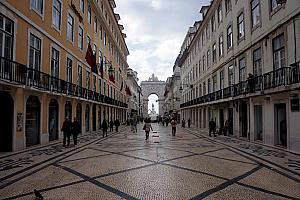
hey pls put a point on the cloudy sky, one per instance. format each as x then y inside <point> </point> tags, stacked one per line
<point>155,30</point>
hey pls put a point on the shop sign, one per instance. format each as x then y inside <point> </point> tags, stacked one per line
<point>294,105</point>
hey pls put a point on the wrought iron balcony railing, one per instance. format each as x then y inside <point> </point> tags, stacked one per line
<point>16,73</point>
<point>273,79</point>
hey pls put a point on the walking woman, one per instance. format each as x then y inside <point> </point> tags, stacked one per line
<point>147,127</point>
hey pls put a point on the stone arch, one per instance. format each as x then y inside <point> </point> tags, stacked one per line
<point>153,86</point>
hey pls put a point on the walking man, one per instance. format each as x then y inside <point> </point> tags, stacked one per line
<point>212,127</point>
<point>189,123</point>
<point>147,127</point>
<point>66,129</point>
<point>76,129</point>
<point>111,126</point>
<point>104,127</point>
<point>117,124</point>
<point>173,124</point>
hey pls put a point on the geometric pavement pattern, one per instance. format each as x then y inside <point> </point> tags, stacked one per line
<point>123,165</point>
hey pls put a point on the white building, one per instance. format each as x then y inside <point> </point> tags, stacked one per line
<point>133,99</point>
<point>237,38</point>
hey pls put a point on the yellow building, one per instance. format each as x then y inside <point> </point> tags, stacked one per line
<point>44,75</point>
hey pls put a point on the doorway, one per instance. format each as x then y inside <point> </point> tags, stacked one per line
<point>68,110</point>
<point>243,119</point>
<point>258,122</point>
<point>94,117</point>
<point>53,120</point>
<point>87,118</point>
<point>230,121</point>
<point>280,124</point>
<point>32,126</point>
<point>221,118</point>
<point>79,115</point>
<point>6,121</point>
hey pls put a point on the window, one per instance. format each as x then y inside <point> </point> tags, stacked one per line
<point>213,23</point>
<point>80,38</point>
<point>104,88</point>
<point>227,5</point>
<point>274,5</point>
<point>214,53</point>
<point>101,32</point>
<point>79,78</point>
<point>208,86</point>
<point>95,49</point>
<point>221,46</point>
<point>204,88</point>
<point>54,62</point>
<point>203,63</point>
<point>220,15</point>
<point>242,65</point>
<point>95,24</point>
<point>88,40</point>
<point>89,14</point>
<point>208,58</point>
<point>278,52</point>
<point>94,83</point>
<point>6,37</point>
<point>214,83</point>
<point>56,15</point>
<point>241,26</point>
<point>221,79</point>
<point>35,52</point>
<point>207,32</point>
<point>99,85</point>
<point>257,62</point>
<point>100,57</point>
<point>82,6</point>
<point>105,39</point>
<point>230,75</point>
<point>37,5</point>
<point>229,37</point>
<point>69,70</point>
<point>88,78</point>
<point>255,14</point>
<point>70,28</point>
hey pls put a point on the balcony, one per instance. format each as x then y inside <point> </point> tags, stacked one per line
<point>279,77</point>
<point>18,74</point>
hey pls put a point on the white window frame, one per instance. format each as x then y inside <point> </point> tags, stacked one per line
<point>60,16</point>
<point>40,13</point>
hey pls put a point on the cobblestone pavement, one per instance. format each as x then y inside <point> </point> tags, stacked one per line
<point>125,166</point>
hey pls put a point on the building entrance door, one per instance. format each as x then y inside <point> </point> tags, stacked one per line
<point>87,118</point>
<point>6,121</point>
<point>230,121</point>
<point>221,118</point>
<point>94,117</point>
<point>53,120</point>
<point>32,127</point>
<point>280,124</point>
<point>79,115</point>
<point>258,122</point>
<point>243,119</point>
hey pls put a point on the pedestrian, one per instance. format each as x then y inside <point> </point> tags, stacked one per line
<point>189,123</point>
<point>76,129</point>
<point>167,121</point>
<point>111,126</point>
<point>173,124</point>
<point>226,127</point>
<point>147,127</point>
<point>183,123</point>
<point>212,127</point>
<point>66,129</point>
<point>134,126</point>
<point>163,121</point>
<point>117,124</point>
<point>104,127</point>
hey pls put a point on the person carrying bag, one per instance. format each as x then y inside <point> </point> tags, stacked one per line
<point>147,127</point>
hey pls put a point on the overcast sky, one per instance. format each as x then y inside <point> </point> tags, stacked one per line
<point>155,30</point>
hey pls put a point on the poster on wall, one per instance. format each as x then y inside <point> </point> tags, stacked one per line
<point>19,121</point>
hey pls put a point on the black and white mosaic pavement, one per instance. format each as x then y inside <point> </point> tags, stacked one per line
<point>125,166</point>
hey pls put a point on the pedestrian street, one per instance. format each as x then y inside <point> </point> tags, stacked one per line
<point>189,165</point>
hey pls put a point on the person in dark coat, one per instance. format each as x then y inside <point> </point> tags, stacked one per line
<point>212,127</point>
<point>189,123</point>
<point>66,129</point>
<point>183,123</point>
<point>111,126</point>
<point>104,127</point>
<point>117,124</point>
<point>76,129</point>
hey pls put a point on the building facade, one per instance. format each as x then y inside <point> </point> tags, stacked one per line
<point>134,109</point>
<point>44,73</point>
<point>241,66</point>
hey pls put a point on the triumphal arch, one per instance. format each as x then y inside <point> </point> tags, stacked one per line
<point>153,86</point>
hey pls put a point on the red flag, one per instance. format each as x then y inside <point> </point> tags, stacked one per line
<point>89,56</point>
